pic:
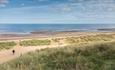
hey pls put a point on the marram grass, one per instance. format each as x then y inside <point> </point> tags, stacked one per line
<point>90,38</point>
<point>7,45</point>
<point>35,42</point>
<point>96,56</point>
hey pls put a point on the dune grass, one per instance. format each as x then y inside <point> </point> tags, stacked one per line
<point>56,40</point>
<point>6,45</point>
<point>35,42</point>
<point>96,56</point>
<point>90,38</point>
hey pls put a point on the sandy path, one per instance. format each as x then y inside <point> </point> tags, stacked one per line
<point>7,55</point>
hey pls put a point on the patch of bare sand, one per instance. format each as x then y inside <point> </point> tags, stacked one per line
<point>7,55</point>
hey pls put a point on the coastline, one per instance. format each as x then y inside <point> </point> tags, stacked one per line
<point>46,34</point>
<point>21,50</point>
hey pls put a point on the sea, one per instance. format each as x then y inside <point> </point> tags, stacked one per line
<point>27,28</point>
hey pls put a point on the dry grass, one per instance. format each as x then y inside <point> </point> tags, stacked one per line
<point>90,38</point>
<point>96,56</point>
<point>35,42</point>
<point>7,45</point>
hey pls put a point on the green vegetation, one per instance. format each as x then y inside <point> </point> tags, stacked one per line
<point>6,45</point>
<point>56,40</point>
<point>90,38</point>
<point>98,56</point>
<point>35,42</point>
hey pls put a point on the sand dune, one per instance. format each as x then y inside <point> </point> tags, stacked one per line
<point>6,55</point>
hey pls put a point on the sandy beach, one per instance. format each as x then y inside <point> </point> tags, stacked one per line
<point>6,55</point>
<point>48,35</point>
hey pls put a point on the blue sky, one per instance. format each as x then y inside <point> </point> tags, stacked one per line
<point>57,11</point>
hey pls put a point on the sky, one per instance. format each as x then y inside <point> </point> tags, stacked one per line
<point>57,11</point>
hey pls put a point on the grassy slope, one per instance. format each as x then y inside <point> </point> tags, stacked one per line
<point>35,42</point>
<point>90,38</point>
<point>98,56</point>
<point>6,45</point>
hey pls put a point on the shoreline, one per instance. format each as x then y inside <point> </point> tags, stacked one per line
<point>21,50</point>
<point>48,35</point>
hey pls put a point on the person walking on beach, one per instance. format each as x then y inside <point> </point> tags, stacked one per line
<point>13,51</point>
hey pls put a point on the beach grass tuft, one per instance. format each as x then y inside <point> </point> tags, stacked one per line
<point>7,45</point>
<point>90,38</point>
<point>35,42</point>
<point>96,56</point>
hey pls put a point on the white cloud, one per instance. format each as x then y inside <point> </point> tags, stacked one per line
<point>89,6</point>
<point>3,3</point>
